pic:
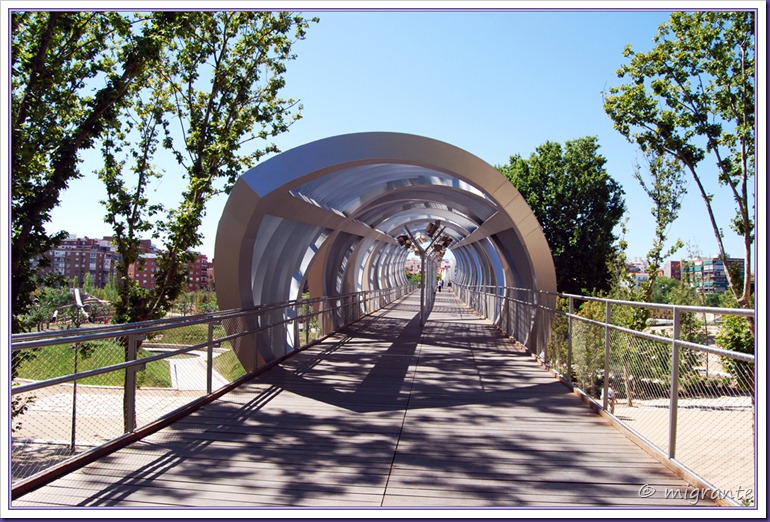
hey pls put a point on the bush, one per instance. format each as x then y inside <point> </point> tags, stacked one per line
<point>735,335</point>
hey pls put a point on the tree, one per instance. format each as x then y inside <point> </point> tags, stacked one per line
<point>577,204</point>
<point>214,97</point>
<point>70,72</point>
<point>88,284</point>
<point>735,335</point>
<point>665,188</point>
<point>662,288</point>
<point>692,97</point>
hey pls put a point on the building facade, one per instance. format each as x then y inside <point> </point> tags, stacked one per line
<point>673,269</point>
<point>75,257</point>
<point>707,275</point>
<point>144,270</point>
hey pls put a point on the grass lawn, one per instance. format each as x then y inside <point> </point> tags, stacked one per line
<point>54,361</point>
<point>228,366</point>
<point>188,335</point>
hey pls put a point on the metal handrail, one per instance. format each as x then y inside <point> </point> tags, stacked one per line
<point>350,308</point>
<point>489,302</point>
<point>26,340</point>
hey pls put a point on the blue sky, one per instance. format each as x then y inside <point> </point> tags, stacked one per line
<point>495,83</point>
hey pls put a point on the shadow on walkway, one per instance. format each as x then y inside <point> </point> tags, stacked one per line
<point>383,414</point>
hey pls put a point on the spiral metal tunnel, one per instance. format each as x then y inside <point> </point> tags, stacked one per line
<point>329,214</point>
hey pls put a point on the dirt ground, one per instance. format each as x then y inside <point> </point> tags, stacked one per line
<point>714,436</point>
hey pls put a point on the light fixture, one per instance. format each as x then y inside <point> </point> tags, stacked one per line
<point>431,229</point>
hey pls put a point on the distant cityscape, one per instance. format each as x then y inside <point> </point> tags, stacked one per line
<point>77,256</point>
<point>706,274</point>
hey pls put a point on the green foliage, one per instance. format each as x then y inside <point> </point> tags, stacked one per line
<point>692,97</point>
<point>110,291</point>
<point>229,366</point>
<point>88,284</point>
<point>45,301</point>
<point>662,289</point>
<point>665,188</point>
<point>588,347</point>
<point>558,340</point>
<point>213,103</point>
<point>204,301</point>
<point>70,73</point>
<point>188,335</point>
<point>735,334</point>
<point>413,278</point>
<point>578,206</point>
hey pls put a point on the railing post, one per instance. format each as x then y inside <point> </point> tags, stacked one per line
<point>569,339</point>
<point>129,387</point>
<point>542,337</point>
<point>607,315</point>
<point>297,316</point>
<point>674,396</point>
<point>210,358</point>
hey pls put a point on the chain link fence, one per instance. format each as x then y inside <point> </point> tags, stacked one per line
<point>76,390</point>
<point>670,381</point>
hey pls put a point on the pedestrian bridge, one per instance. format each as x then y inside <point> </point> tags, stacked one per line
<point>327,380</point>
<point>384,413</point>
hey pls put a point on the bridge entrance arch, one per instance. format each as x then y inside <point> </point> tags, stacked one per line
<point>338,215</point>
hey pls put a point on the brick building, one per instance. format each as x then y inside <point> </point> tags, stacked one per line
<point>145,269</point>
<point>75,257</point>
<point>673,269</point>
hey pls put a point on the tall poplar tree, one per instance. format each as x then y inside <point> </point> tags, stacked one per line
<point>692,97</point>
<point>70,74</point>
<point>213,104</point>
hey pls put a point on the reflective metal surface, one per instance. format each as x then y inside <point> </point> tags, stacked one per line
<point>325,217</point>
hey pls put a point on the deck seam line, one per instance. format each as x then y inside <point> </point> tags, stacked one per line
<point>403,422</point>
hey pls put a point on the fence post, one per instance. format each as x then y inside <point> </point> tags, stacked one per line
<point>210,355</point>
<point>569,339</point>
<point>129,385</point>
<point>541,334</point>
<point>674,396</point>
<point>607,316</point>
<point>297,315</point>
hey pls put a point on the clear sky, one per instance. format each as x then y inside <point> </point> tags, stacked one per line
<point>495,83</point>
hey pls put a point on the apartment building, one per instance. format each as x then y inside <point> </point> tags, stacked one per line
<point>144,270</point>
<point>75,257</point>
<point>673,269</point>
<point>708,274</point>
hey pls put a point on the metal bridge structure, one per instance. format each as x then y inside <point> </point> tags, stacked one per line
<point>328,380</point>
<point>341,215</point>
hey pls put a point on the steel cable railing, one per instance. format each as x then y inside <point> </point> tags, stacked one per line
<point>693,402</point>
<point>79,389</point>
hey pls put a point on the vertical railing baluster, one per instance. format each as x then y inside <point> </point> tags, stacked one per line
<point>210,358</point>
<point>569,339</point>
<point>605,394</point>
<point>129,389</point>
<point>674,394</point>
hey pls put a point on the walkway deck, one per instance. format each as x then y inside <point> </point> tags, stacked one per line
<point>384,415</point>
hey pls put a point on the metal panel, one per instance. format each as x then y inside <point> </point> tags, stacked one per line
<point>359,192</point>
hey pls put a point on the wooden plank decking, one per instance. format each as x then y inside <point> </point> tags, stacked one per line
<point>383,415</point>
